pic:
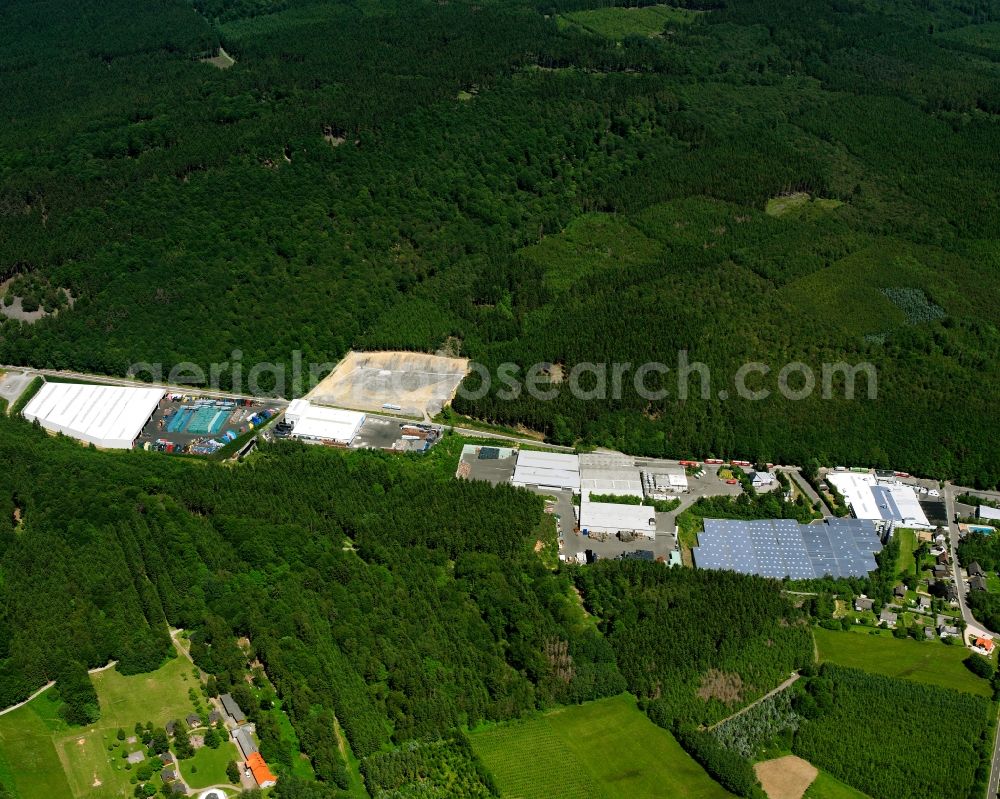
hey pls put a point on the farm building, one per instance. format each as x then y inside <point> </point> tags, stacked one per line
<point>869,499</point>
<point>261,773</point>
<point>244,740</point>
<point>612,518</point>
<point>986,512</point>
<point>231,708</point>
<point>109,417</point>
<point>319,423</point>
<point>784,548</point>
<point>547,470</point>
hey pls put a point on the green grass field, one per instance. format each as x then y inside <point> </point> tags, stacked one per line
<point>208,766</point>
<point>929,662</point>
<point>54,760</point>
<point>826,786</point>
<point>158,697</point>
<point>907,564</point>
<point>29,763</point>
<point>617,23</point>
<point>603,749</point>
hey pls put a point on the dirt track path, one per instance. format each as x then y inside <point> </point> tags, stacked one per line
<point>786,684</point>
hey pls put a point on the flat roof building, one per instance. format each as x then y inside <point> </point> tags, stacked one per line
<point>870,499</point>
<point>613,518</point>
<point>547,470</point>
<point>986,512</point>
<point>109,417</point>
<point>319,423</point>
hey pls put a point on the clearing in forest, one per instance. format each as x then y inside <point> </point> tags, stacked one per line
<point>411,383</point>
<point>43,757</point>
<point>786,777</point>
<point>589,245</point>
<point>800,200</point>
<point>604,749</point>
<point>617,23</point>
<point>221,60</point>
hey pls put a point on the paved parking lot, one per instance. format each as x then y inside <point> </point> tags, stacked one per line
<point>13,384</point>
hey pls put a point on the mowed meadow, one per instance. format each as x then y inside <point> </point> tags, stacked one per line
<point>41,757</point>
<point>607,749</point>
<point>929,662</point>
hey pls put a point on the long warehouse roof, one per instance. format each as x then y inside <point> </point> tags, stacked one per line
<point>111,417</point>
<point>322,423</point>
<point>553,469</point>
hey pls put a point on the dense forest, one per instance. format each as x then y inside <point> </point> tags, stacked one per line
<point>372,588</point>
<point>402,174</point>
<point>695,645</point>
<point>867,730</point>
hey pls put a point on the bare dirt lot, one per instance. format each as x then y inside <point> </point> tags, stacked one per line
<point>786,777</point>
<point>415,383</point>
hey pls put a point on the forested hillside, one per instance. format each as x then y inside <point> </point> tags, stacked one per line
<point>696,645</point>
<point>538,187</point>
<point>369,587</point>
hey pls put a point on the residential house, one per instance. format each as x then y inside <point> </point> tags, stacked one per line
<point>941,571</point>
<point>899,591</point>
<point>214,717</point>
<point>949,631</point>
<point>135,757</point>
<point>943,557</point>
<point>951,593</point>
<point>193,720</point>
<point>887,617</point>
<point>983,645</point>
<point>978,583</point>
<point>171,726</point>
<point>975,570</point>
<point>168,774</point>
<point>167,758</point>
<point>862,604</point>
<point>924,603</point>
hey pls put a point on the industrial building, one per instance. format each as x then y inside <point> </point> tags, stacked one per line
<point>784,548</point>
<point>553,470</point>
<point>109,417</point>
<point>319,423</point>
<point>665,483</point>
<point>611,518</point>
<point>986,512</point>
<point>870,498</point>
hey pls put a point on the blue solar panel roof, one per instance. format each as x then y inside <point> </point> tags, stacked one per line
<point>784,548</point>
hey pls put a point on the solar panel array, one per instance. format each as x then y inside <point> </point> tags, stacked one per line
<point>784,548</point>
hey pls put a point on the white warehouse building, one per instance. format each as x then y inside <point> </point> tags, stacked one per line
<point>612,518</point>
<point>547,470</point>
<point>869,499</point>
<point>319,423</point>
<point>109,417</point>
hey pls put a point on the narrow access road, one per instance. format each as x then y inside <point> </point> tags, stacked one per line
<point>37,693</point>
<point>786,684</point>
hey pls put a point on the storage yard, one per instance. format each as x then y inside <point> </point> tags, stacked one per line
<point>409,383</point>
<point>195,425</point>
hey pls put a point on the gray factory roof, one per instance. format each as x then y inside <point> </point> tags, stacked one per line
<point>784,548</point>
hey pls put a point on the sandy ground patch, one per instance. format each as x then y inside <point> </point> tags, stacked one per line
<point>786,777</point>
<point>416,383</point>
